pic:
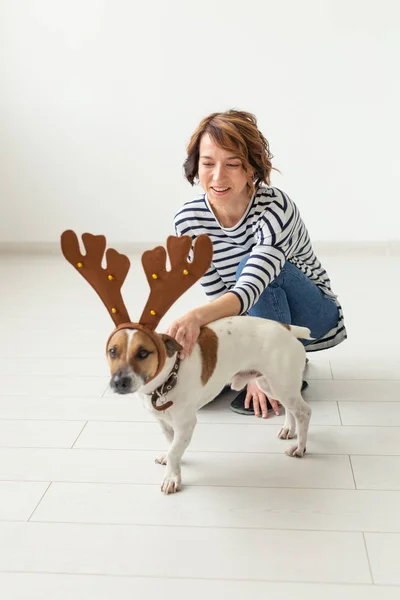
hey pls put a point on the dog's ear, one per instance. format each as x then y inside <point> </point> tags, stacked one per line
<point>171,345</point>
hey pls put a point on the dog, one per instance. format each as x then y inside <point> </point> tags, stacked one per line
<point>233,349</point>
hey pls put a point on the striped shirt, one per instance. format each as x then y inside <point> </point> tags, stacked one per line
<point>271,232</point>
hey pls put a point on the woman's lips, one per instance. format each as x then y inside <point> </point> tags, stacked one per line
<point>220,191</point>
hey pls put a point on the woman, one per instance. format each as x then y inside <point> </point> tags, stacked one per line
<point>263,263</point>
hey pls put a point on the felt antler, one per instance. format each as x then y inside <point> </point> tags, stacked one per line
<point>106,282</point>
<point>167,286</point>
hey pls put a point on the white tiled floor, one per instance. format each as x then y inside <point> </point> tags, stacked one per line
<point>81,513</point>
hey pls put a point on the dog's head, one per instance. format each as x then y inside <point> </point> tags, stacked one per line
<point>136,356</point>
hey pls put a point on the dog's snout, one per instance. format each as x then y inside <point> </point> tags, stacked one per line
<point>121,383</point>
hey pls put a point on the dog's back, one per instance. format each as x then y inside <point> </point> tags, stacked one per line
<point>251,344</point>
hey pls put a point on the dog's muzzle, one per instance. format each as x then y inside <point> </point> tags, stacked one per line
<point>121,383</point>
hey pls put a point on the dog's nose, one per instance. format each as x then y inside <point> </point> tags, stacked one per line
<point>121,383</point>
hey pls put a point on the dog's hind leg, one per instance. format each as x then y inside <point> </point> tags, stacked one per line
<point>302,413</point>
<point>169,435</point>
<point>264,386</point>
<point>182,435</point>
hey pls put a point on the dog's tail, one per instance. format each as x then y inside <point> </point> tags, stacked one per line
<point>302,333</point>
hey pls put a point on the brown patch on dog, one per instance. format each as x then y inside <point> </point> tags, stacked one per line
<point>285,325</point>
<point>208,342</point>
<point>118,344</point>
<point>144,367</point>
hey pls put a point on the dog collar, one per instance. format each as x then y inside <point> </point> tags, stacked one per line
<point>166,387</point>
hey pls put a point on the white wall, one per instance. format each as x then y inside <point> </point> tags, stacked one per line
<point>99,98</point>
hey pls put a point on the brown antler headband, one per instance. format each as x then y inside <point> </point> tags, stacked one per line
<point>165,286</point>
<point>106,282</point>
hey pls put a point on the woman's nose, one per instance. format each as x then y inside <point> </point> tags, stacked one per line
<point>217,172</point>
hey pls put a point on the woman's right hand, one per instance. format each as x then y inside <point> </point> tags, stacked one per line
<point>185,331</point>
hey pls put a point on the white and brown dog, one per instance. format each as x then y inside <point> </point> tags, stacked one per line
<point>231,350</point>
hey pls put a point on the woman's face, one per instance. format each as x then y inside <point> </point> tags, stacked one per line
<point>221,173</point>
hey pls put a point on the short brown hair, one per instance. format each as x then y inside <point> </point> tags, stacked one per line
<point>237,131</point>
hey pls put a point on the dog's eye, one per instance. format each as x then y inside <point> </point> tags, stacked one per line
<point>112,352</point>
<point>142,353</point>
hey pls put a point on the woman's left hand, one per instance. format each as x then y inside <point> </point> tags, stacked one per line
<point>259,401</point>
<point>185,331</point>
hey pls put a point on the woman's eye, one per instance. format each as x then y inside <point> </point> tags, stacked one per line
<point>142,354</point>
<point>234,166</point>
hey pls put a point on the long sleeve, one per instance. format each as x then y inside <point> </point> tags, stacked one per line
<point>211,282</point>
<point>266,258</point>
<point>263,265</point>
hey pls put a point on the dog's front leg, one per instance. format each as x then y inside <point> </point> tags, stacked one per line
<point>182,435</point>
<point>169,435</point>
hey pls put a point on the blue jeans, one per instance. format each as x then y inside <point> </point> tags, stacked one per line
<point>294,299</point>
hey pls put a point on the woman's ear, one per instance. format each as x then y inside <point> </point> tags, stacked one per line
<point>171,345</point>
<point>250,174</point>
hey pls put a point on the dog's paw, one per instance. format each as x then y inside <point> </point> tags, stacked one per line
<point>171,484</point>
<point>162,459</point>
<point>285,434</point>
<point>295,451</point>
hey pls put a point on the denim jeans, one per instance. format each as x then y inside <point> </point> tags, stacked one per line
<point>294,299</point>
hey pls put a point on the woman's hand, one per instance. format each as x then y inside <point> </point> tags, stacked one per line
<point>259,401</point>
<point>185,331</point>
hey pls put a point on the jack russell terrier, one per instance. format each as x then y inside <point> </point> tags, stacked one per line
<point>231,350</point>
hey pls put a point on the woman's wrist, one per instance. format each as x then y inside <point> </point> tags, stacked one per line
<point>199,315</point>
<point>225,306</point>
